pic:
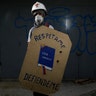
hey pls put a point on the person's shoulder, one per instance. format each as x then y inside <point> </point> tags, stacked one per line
<point>49,25</point>
<point>31,28</point>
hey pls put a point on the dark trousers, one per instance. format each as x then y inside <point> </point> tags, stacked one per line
<point>38,94</point>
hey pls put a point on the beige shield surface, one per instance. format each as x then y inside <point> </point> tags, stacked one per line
<point>45,60</point>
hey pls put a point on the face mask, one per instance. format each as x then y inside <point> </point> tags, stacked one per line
<point>39,19</point>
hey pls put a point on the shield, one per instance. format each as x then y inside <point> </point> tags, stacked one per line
<point>45,60</point>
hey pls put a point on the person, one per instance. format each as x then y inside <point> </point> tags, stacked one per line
<point>39,12</point>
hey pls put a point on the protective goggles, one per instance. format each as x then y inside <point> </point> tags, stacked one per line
<point>40,12</point>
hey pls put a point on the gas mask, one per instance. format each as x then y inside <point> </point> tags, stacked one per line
<point>39,19</point>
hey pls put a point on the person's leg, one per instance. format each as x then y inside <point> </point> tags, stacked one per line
<point>38,94</point>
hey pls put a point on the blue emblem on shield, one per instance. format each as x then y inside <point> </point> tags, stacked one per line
<point>46,57</point>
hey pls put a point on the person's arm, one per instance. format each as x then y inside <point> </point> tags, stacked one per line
<point>30,34</point>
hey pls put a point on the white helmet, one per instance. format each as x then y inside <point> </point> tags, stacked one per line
<point>38,6</point>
